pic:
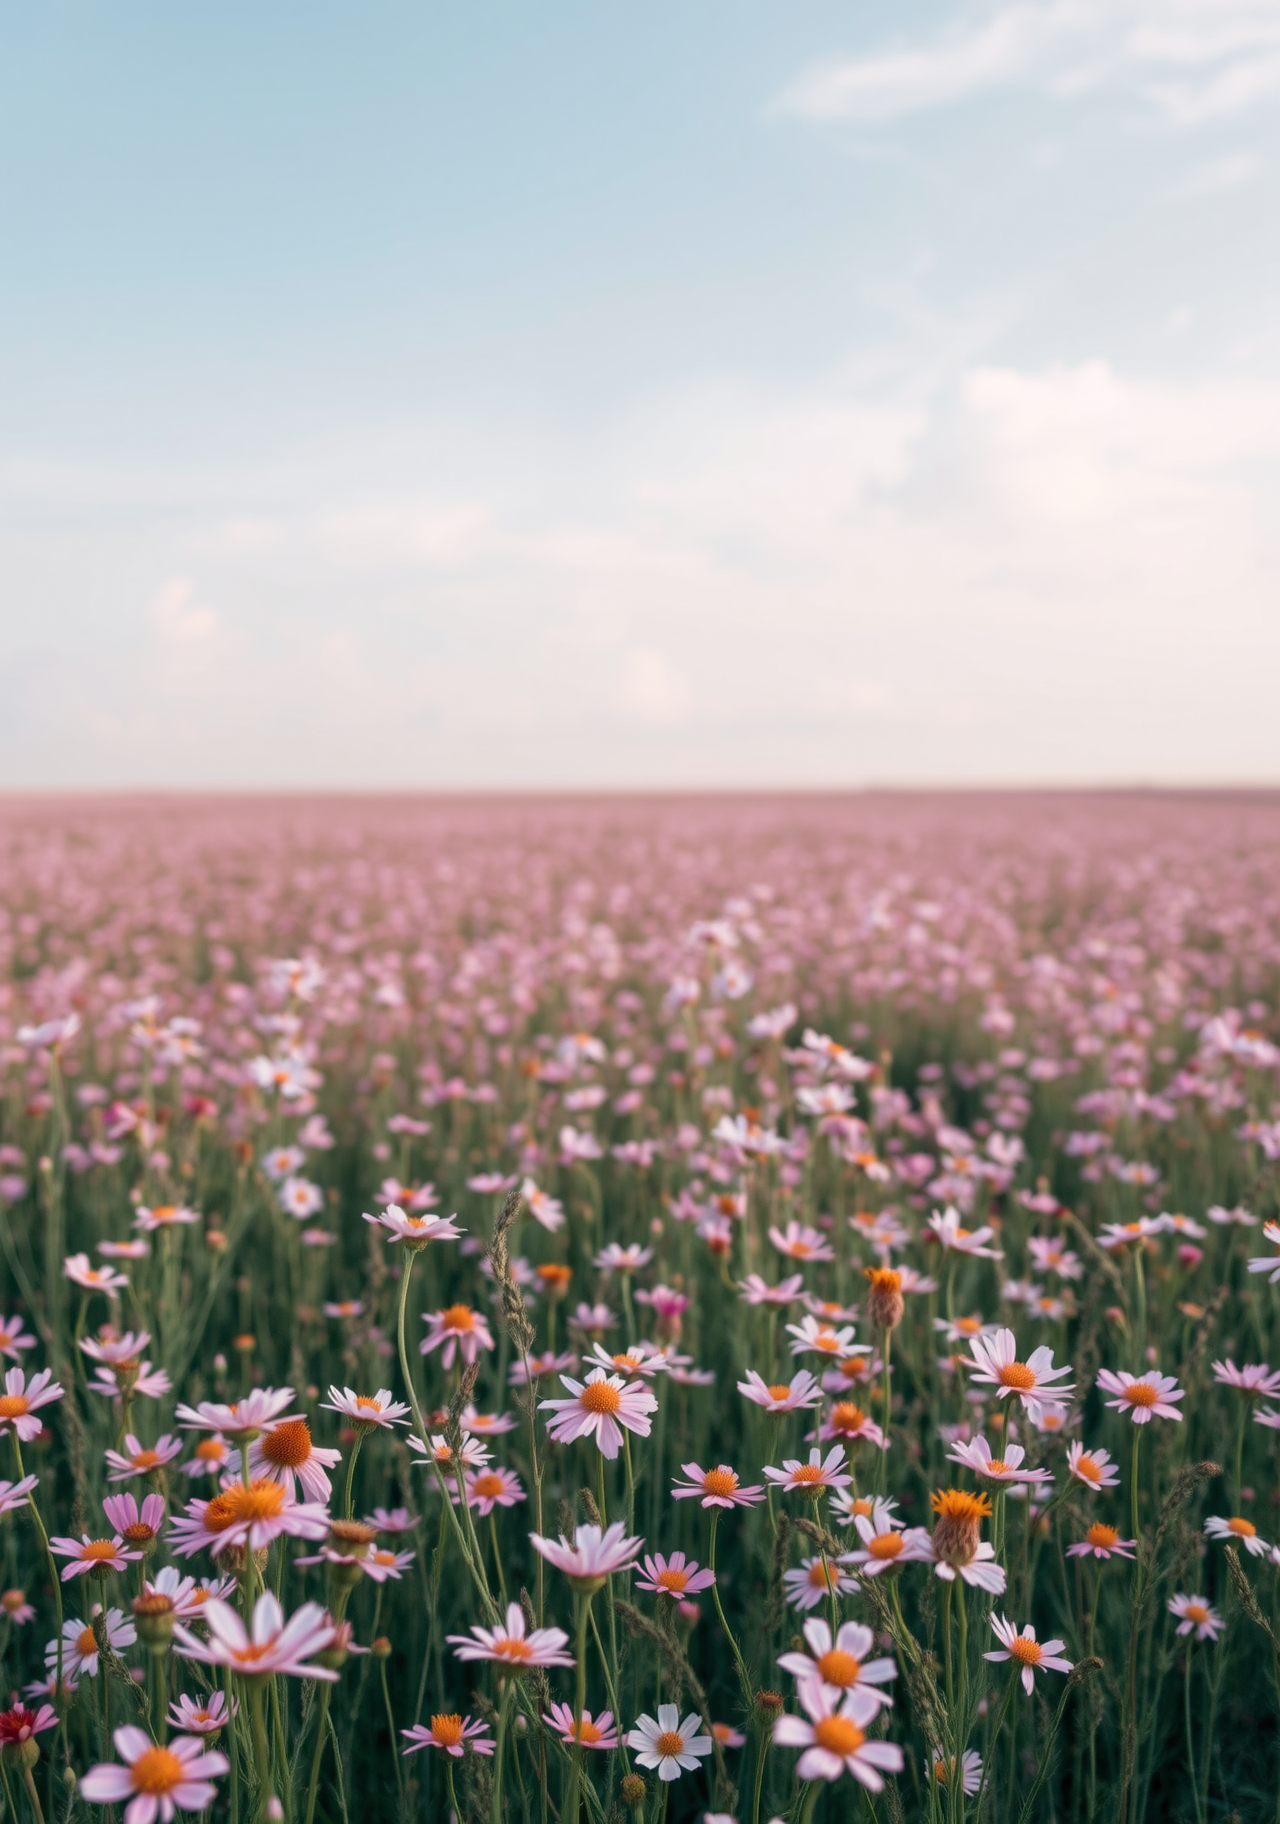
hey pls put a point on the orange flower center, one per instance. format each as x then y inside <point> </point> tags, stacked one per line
<point>1028,1651</point>
<point>145,1459</point>
<point>98,1549</point>
<point>13,1405</point>
<point>459,1317</point>
<point>447,1730</point>
<point>1089,1468</point>
<point>157,1771</point>
<point>723,1482</point>
<point>822,1576</point>
<point>780,1391</point>
<point>288,1444</point>
<point>968,1326</point>
<point>139,1533</point>
<point>211,1450</point>
<point>839,1668</point>
<point>1018,1375</point>
<point>669,1742</point>
<point>808,1473</point>
<point>258,1500</point>
<point>997,1467</point>
<point>672,1580</point>
<point>855,1368</point>
<point>885,1545</point>
<point>587,1732</point>
<point>847,1417</point>
<point>86,1641</point>
<point>512,1649</point>
<point>1244,1528</point>
<point>959,1504</point>
<point>1196,1611</point>
<point>1101,1535</point>
<point>838,1735</point>
<point>825,1340</point>
<point>368,1402</point>
<point>600,1396</point>
<point>488,1486</point>
<point>1141,1393</point>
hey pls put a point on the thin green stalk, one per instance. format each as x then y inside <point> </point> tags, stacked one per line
<point>1191,1750</point>
<point>391,1727</point>
<point>348,1507</point>
<point>500,1740</point>
<point>728,1631</point>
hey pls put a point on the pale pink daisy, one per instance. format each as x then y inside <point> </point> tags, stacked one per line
<point>140,1528</point>
<point>242,1418</point>
<point>1103,1542</point>
<point>643,1358</point>
<point>245,1514</point>
<point>285,1453</point>
<point>669,1745</point>
<point>92,1279</point>
<point>1143,1397</point>
<point>207,1718</point>
<point>593,1556</point>
<point>802,1390</point>
<point>1195,1612</point>
<point>139,1459</point>
<point>392,1520</point>
<point>511,1646</point>
<point>616,1259</point>
<point>676,1576</point>
<point>1255,1378</point>
<point>450,1732</point>
<point>380,1565</point>
<point>715,1487</point>
<point>473,1453</point>
<point>843,1663</point>
<point>1268,1263</point>
<point>977,1457</point>
<point>885,1542</point>
<point>164,1216</point>
<point>946,1225</point>
<point>187,1596</point>
<point>156,1781</point>
<point>487,1424</point>
<point>812,1333</point>
<point>22,1399</point>
<point>490,1488</point>
<point>833,1734</point>
<point>847,1421</point>
<point>212,1454</point>
<point>15,1606</point>
<point>458,1329</point>
<point>136,1249</point>
<point>588,1731</point>
<point>415,1231</point>
<point>996,1365</point>
<point>80,1642</point>
<point>758,1291</point>
<point>370,1412</point>
<point>273,1645</point>
<point>1093,1468</point>
<point>599,1408</point>
<point>14,1338</point>
<point>800,1242</point>
<point>1032,1655</point>
<point>1237,1531</point>
<point>93,1556</point>
<point>15,1494</point>
<point>813,1477</point>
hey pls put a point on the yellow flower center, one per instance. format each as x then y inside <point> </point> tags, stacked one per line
<point>1028,1651</point>
<point>845,1416</point>
<point>587,1733</point>
<point>156,1772</point>
<point>669,1742</point>
<point>512,1649</point>
<point>838,1735</point>
<point>1197,1612</point>
<point>1089,1468</point>
<point>257,1500</point>
<point>488,1486</point>
<point>1018,1376</point>
<point>885,1545</point>
<point>839,1668</point>
<point>211,1450</point>
<point>600,1396</point>
<point>368,1402</point>
<point>447,1730</point>
<point>780,1391</point>
<point>822,1576</point>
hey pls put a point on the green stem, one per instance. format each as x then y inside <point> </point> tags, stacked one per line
<point>261,1753</point>
<point>715,1593</point>
<point>351,1472</point>
<point>504,1716</point>
<point>1191,1752</point>
<point>391,1726</point>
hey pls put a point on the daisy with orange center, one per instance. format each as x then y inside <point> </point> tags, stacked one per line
<point>1237,1531</point>
<point>367,1412</point>
<point>781,1396</point>
<point>1032,1655</point>
<point>675,1576</point>
<point>510,1645</point>
<point>600,1408</point>
<point>21,1400</point>
<point>285,1453</point>
<point>715,1487</point>
<point>139,1460</point>
<point>813,1478</point>
<point>811,1334</point>
<point>843,1664</point>
<point>1033,1381</point>
<point>490,1488</point>
<point>1194,1612</point>
<point>956,1546</point>
<point>598,1732</point>
<point>1093,1468</point>
<point>93,1557</point>
<point>1103,1542</point>
<point>976,1455</point>
<point>833,1735</point>
<point>155,1780</point>
<point>250,1514</point>
<point>817,1579</point>
<point>456,1330</point>
<point>848,1421</point>
<point>1143,1397</point>
<point>450,1732</point>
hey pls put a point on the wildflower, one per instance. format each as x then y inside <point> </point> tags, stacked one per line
<point>757,1291</point>
<point>242,1418</point>
<point>458,1328</point>
<point>1031,1654</point>
<point>274,1645</point>
<point>644,1359</point>
<point>21,1400</point>
<point>185,1596</point>
<point>300,1198</point>
<point>140,1528</point>
<point>472,1452</point>
<point>285,1453</point>
<point>510,1646</point>
<point>841,1664</point>
<point>1255,1379</point>
<point>155,1780</point>
<point>1144,1396</point>
<point>810,1333</point>
<point>801,1242</point>
<point>588,1731</point>
<point>96,1556</point>
<point>947,1227</point>
<point>818,1578</point>
<point>970,1769</point>
<point>140,1460</point>
<point>784,1396</point>
<point>1116,1235</point>
<point>675,1576</point>
<point>715,1487</point>
<point>80,1642</point>
<point>450,1732</point>
<point>392,1520</point>
<point>15,1494</point>
<point>1268,1263</point>
<point>848,1421</point>
<point>137,1249</point>
<point>834,1736</point>
<point>1195,1612</point>
<point>212,1454</point>
<point>545,1209</point>
<point>884,1542</point>
<point>249,1514</point>
<point>593,1556</point>
<point>538,1367</point>
<point>16,1607</point>
<point>207,1718</point>
<point>13,1338</point>
<point>977,1457</point>
<point>487,1424</point>
<point>884,1298</point>
<point>813,1477</point>
<point>1093,1468</point>
<point>728,1737</point>
<point>376,1412</point>
<point>599,1408</point>
<point>164,1216</point>
<point>1103,1542</point>
<point>1238,1532</point>
<point>671,1746</point>
<point>92,1279</point>
<point>415,1231</point>
<point>490,1488</point>
<point>955,1545</point>
<point>617,1259</point>
<point>1049,1256</point>
<point>18,1724</point>
<point>1032,1380</point>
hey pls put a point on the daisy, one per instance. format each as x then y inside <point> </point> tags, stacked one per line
<point>80,1643</point>
<point>617,1259</point>
<point>367,1412</point>
<point>675,1576</point>
<point>1092,1467</point>
<point>1049,1256</point>
<point>1268,1263</point>
<point>842,1664</point>
<point>21,1400</point>
<point>644,1359</point>
<point>1237,1532</point>
<point>818,1578</point>
<point>274,1645</point>
<point>813,1477</point>
<point>715,1487</point>
<point>545,1209</point>
<point>282,1162</point>
<point>955,1545</point>
<point>970,1769</point>
<point>1116,1235</point>
<point>18,1724</point>
<point>490,1488</point>
<point>137,1249</point>
<point>211,1455</point>
<point>848,1421</point>
<point>1144,1397</point>
<point>593,1556</point>
<point>1195,1612</point>
<point>184,1595</point>
<point>1103,1542</point>
<point>249,1514</point>
<point>599,1408</point>
<point>669,1745</point>
<point>15,1494</point>
<point>487,1424</point>
<point>392,1520</point>
<point>135,1528</point>
<point>415,1231</point>
<point>459,1329</point>
<point>472,1452</point>
<point>16,1607</point>
<point>587,1732</point>
<point>141,1460</point>
<point>344,1308</point>
<point>13,1338</point>
<point>977,1457</point>
<point>811,1333</point>
<point>93,1556</point>
<point>538,1367</point>
<point>300,1198</point>
<point>961,1329</point>
<point>1031,1654</point>
<point>133,1378</point>
<point>834,1737</point>
<point>885,1542</point>
<point>784,1396</point>
<point>92,1279</point>
<point>728,1737</point>
<point>954,1238</point>
<point>801,1242</point>
<point>591,1320</point>
<point>1255,1378</point>
<point>450,1732</point>
<point>242,1418</point>
<point>285,1453</point>
<point>381,1565</point>
<point>510,1646</point>
<point>758,1291</point>
<point>208,1718</point>
<point>156,1781</point>
<point>997,1366</point>
<point>163,1216</point>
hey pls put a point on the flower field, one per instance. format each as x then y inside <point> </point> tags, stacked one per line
<point>639,1310</point>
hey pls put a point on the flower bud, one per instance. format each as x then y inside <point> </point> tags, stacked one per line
<point>155,1616</point>
<point>380,1647</point>
<point>632,1790</point>
<point>884,1297</point>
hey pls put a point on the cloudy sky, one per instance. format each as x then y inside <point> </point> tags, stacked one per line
<point>730,394</point>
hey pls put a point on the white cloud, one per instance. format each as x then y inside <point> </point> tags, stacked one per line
<point>653,691</point>
<point>1189,60</point>
<point>1217,175</point>
<point>178,617</point>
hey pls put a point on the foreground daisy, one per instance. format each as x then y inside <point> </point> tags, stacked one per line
<point>715,1487</point>
<point>841,1664</point>
<point>274,1645</point>
<point>285,1454</point>
<point>22,1399</point>
<point>833,1736</point>
<point>1103,1542</point>
<point>593,1556</point>
<point>675,1576</point>
<point>450,1732</point>
<point>415,1231</point>
<point>156,1781</point>
<point>1143,1397</point>
<point>977,1457</point>
<point>251,1514</point>
<point>1237,1531</point>
<point>885,1542</point>
<point>511,1646</point>
<point>1195,1612</point>
<point>600,1407</point>
<point>1033,1380</point>
<point>669,1745</point>
<point>588,1731</point>
<point>1032,1655</point>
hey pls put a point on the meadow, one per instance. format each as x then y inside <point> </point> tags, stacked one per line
<point>644,1309</point>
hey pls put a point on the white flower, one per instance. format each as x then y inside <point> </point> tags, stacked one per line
<point>669,1745</point>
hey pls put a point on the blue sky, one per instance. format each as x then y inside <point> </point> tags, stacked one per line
<point>730,395</point>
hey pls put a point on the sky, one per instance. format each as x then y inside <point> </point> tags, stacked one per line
<point>411,396</point>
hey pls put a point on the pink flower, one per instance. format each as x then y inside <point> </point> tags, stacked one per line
<point>510,1646</point>
<point>587,1732</point>
<point>21,1400</point>
<point>285,1453</point>
<point>843,1664</point>
<point>817,1579</point>
<point>92,1555</point>
<point>458,1328</point>
<point>140,1460</point>
<point>1092,1467</point>
<point>449,1732</point>
<point>135,1528</point>
<point>249,1514</point>
<point>785,1396</point>
<point>1254,1378</point>
<point>242,1418</point>
<point>716,1487</point>
<point>1103,1542</point>
<point>1195,1612</point>
<point>415,1231</point>
<point>801,1242</point>
<point>977,1457</point>
<point>1144,1397</point>
<point>155,1780</point>
<point>599,1408</point>
<point>675,1576</point>
<point>813,1477</point>
<point>200,1719</point>
<point>593,1556</point>
<point>834,1736</point>
<point>1032,1655</point>
<point>997,1365</point>
<point>274,1645</point>
<point>758,1291</point>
